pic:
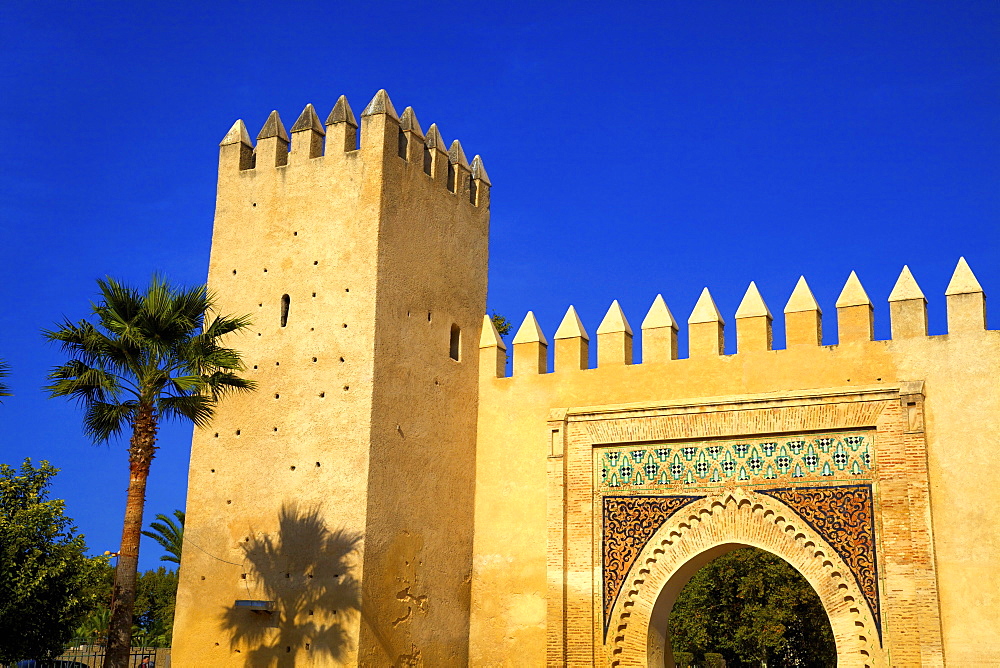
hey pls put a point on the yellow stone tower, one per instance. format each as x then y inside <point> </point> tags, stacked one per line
<point>345,482</point>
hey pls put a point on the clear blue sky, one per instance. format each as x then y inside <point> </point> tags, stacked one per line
<point>634,149</point>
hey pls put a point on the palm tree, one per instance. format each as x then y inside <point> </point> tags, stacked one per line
<point>4,373</point>
<point>169,534</point>
<point>149,356</point>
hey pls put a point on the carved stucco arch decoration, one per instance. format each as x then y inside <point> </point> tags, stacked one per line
<point>713,526</point>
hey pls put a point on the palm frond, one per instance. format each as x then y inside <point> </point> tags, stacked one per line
<point>198,408</point>
<point>4,373</point>
<point>103,421</point>
<point>82,382</point>
<point>169,534</point>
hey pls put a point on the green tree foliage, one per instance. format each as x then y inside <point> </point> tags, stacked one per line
<point>753,608</point>
<point>169,534</point>
<point>502,324</point>
<point>156,593</point>
<point>4,375</point>
<point>47,584</point>
<point>151,355</point>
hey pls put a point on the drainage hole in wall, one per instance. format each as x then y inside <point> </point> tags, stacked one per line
<point>260,305</point>
<point>255,203</point>
<point>258,333</point>
<point>288,575</point>
<point>247,539</point>
<point>255,366</point>
<point>291,468</point>
<point>243,576</point>
<point>312,329</point>
<point>317,464</point>
<point>229,501</point>
<point>288,649</point>
<point>217,435</point>
<point>345,325</point>
<point>309,575</point>
<point>202,577</point>
<point>213,470</point>
<point>347,289</point>
<point>234,272</point>
<point>428,316</point>
<point>277,364</point>
<point>315,262</point>
<point>276,395</point>
<point>878,379</point>
<point>237,432</point>
<point>322,394</point>
<point>310,612</point>
<point>265,270</point>
<point>341,359</point>
<point>314,359</point>
<point>346,388</point>
<point>276,429</point>
<point>216,644</point>
<point>314,294</point>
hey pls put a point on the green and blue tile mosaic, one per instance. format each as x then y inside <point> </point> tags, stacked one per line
<point>827,457</point>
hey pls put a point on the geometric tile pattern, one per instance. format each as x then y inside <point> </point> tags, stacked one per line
<point>629,523</point>
<point>844,517</point>
<point>767,461</point>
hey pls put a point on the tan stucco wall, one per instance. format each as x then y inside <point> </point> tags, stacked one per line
<point>362,424</point>
<point>514,513</point>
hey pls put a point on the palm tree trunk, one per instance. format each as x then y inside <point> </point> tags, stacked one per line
<point>141,450</point>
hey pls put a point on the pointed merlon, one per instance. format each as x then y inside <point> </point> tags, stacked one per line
<point>237,135</point>
<point>479,171</point>
<point>490,338</point>
<point>380,104</point>
<point>963,281</point>
<point>456,155</point>
<point>802,299</point>
<point>341,113</point>
<point>705,310</point>
<point>309,120</point>
<point>273,128</point>
<point>614,321</point>
<point>853,293</point>
<point>408,122</point>
<point>753,305</point>
<point>434,139</point>
<point>906,288</point>
<point>529,331</point>
<point>659,315</point>
<point>571,327</point>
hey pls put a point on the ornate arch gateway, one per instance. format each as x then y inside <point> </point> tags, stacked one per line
<point>834,482</point>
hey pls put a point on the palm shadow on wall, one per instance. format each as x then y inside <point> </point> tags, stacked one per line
<point>309,572</point>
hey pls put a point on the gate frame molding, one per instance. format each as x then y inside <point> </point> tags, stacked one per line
<point>911,625</point>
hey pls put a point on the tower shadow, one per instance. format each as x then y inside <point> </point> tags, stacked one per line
<point>308,573</point>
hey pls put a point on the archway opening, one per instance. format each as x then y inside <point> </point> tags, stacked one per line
<point>748,607</point>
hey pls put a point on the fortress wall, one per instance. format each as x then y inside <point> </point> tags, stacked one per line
<point>518,511</point>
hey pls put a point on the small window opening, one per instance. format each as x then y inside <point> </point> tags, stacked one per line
<point>456,342</point>
<point>452,178</point>
<point>286,301</point>
<point>401,144</point>
<point>427,161</point>
<point>472,191</point>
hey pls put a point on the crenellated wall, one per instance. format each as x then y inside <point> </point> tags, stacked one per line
<point>527,594</point>
<point>337,490</point>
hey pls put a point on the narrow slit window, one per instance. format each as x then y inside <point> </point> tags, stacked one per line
<point>456,343</point>
<point>472,190</point>
<point>402,144</point>
<point>286,301</point>
<point>427,161</point>
<point>452,177</point>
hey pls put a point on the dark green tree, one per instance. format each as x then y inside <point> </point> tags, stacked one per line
<point>753,608</point>
<point>47,584</point>
<point>151,355</point>
<point>169,534</point>
<point>156,594</point>
<point>502,324</point>
<point>4,375</point>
